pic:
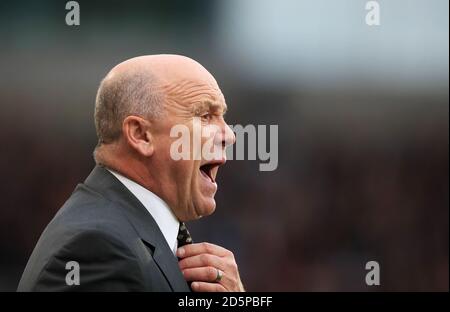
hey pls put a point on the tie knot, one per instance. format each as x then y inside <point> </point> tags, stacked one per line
<point>183,237</point>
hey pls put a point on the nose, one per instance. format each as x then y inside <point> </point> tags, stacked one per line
<point>229,138</point>
<point>225,136</point>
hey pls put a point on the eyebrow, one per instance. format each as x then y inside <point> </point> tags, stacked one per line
<point>211,106</point>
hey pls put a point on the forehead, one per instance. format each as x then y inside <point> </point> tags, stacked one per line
<point>196,95</point>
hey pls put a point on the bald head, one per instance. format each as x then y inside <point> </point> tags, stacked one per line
<point>142,86</point>
<point>167,67</point>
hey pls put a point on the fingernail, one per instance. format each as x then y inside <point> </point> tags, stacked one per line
<point>180,252</point>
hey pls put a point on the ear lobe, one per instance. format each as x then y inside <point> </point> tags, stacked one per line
<point>136,132</point>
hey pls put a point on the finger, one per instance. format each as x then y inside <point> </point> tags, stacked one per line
<point>202,260</point>
<point>205,274</point>
<point>200,248</point>
<point>207,287</point>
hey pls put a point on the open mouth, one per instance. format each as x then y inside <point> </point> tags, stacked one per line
<point>207,172</point>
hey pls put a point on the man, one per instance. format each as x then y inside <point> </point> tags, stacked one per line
<point>120,229</point>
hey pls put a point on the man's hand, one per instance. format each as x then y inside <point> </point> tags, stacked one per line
<point>209,267</point>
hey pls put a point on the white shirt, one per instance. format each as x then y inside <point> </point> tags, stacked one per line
<point>159,210</point>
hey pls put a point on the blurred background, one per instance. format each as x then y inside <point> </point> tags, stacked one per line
<point>363,130</point>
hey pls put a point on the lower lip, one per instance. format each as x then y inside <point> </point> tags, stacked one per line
<point>209,184</point>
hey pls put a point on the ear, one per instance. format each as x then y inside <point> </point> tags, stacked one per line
<point>136,132</point>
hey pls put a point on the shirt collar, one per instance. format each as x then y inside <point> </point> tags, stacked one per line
<point>159,210</point>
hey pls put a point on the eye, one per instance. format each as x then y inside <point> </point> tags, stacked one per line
<point>206,117</point>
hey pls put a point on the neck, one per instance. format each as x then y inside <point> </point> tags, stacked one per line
<point>134,168</point>
<point>114,158</point>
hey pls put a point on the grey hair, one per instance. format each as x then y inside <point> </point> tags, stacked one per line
<point>124,95</point>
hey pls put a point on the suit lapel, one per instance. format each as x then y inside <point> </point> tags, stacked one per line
<point>103,181</point>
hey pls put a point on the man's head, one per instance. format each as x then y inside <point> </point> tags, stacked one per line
<point>138,103</point>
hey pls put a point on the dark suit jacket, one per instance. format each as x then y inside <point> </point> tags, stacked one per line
<point>114,239</point>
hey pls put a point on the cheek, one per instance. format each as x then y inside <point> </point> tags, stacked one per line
<point>194,171</point>
<point>186,175</point>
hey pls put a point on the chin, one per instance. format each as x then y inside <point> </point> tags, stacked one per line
<point>206,207</point>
